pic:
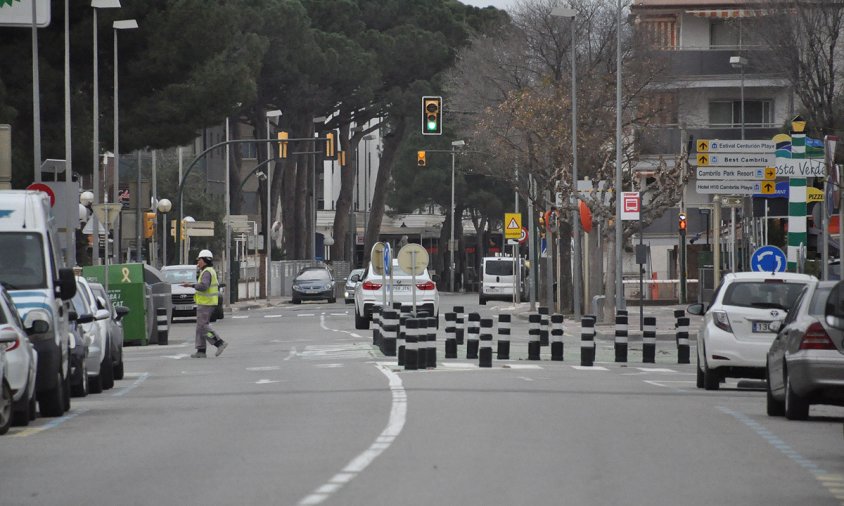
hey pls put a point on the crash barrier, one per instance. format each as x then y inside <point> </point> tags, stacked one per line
<point>473,337</point>
<point>682,326</point>
<point>543,326</point>
<point>162,325</point>
<point>587,340</point>
<point>649,340</point>
<point>621,335</point>
<point>485,352</point>
<point>557,336</point>
<point>504,337</point>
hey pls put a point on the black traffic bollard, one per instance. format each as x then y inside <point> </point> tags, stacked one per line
<point>472,338</point>
<point>587,341</point>
<point>543,326</point>
<point>450,338</point>
<point>422,344</point>
<point>460,329</point>
<point>411,359</point>
<point>649,340</point>
<point>557,349</point>
<point>377,332</point>
<point>504,337</point>
<point>389,332</point>
<point>485,352</point>
<point>432,343</point>
<point>162,325</point>
<point>683,340</point>
<point>533,337</point>
<point>621,337</point>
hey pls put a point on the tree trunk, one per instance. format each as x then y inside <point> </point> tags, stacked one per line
<point>565,277</point>
<point>340,250</point>
<point>609,281</point>
<point>303,176</point>
<point>385,168</point>
<point>236,159</point>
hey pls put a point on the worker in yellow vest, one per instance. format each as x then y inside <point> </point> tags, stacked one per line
<point>206,298</point>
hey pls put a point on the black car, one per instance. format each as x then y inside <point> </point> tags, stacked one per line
<point>314,283</point>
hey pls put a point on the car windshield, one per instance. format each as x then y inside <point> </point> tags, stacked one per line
<point>314,275</point>
<point>79,304</point>
<point>22,261</point>
<point>816,308</point>
<point>498,268</point>
<point>176,276</point>
<point>761,294</point>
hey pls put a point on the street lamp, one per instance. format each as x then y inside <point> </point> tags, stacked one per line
<point>318,121</point>
<point>123,24</point>
<point>619,285</point>
<point>451,248</point>
<point>98,4</point>
<point>164,206</point>
<point>571,13</point>
<point>367,166</point>
<point>739,62</point>
<point>276,113</point>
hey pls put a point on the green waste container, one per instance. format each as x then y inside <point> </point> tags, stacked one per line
<point>125,288</point>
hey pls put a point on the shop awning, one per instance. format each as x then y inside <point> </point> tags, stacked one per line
<point>730,13</point>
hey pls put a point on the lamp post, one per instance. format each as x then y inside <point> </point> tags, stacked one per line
<point>267,226</point>
<point>123,24</point>
<point>576,281</point>
<point>367,166</point>
<point>619,286</point>
<point>451,248</point>
<point>738,62</point>
<point>98,4</point>
<point>318,121</point>
<point>164,206</point>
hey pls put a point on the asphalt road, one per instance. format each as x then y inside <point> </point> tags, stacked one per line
<point>301,409</point>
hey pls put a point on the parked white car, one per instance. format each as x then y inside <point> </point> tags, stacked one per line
<point>99,363</point>
<point>114,326</point>
<point>736,333</point>
<point>22,362</point>
<point>369,293</point>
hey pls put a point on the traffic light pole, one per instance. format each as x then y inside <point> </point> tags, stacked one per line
<point>682,266</point>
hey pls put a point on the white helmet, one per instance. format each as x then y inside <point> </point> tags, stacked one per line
<point>205,254</point>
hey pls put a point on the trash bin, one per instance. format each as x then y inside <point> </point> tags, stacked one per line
<point>598,303</point>
<point>126,287</point>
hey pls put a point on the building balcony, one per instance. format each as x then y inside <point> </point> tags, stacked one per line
<point>667,140</point>
<point>715,62</point>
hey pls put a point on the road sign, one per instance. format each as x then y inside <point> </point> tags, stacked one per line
<point>737,173</point>
<point>768,259</point>
<point>630,205</point>
<point>747,160</point>
<point>107,213</point>
<point>735,146</point>
<point>413,259</point>
<point>41,187</point>
<point>735,187</point>
<point>512,225</point>
<point>523,236</point>
<point>388,259</point>
<point>795,167</point>
<point>376,253</point>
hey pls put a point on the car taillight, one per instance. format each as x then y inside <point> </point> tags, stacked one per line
<point>369,285</point>
<point>722,321</point>
<point>428,285</point>
<point>816,338</point>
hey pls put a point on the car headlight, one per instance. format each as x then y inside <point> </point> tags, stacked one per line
<point>295,287</point>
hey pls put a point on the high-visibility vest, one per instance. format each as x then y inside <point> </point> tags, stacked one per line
<point>208,297</point>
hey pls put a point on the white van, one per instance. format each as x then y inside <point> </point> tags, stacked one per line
<point>497,279</point>
<point>31,271</point>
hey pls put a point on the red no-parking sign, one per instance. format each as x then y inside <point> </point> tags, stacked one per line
<point>41,187</point>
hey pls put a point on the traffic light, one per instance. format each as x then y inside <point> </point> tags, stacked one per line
<point>542,224</point>
<point>342,156</point>
<point>330,148</point>
<point>282,146</point>
<point>681,223</point>
<point>149,225</point>
<point>421,159</point>
<point>432,119</point>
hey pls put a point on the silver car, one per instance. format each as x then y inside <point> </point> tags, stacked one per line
<point>805,364</point>
<point>351,282</point>
<point>22,362</point>
<point>114,325</point>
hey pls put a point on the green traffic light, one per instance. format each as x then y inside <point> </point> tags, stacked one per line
<point>432,126</point>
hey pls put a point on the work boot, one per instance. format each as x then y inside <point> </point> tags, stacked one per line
<point>199,354</point>
<point>220,348</point>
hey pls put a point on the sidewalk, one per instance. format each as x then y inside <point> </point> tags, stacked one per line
<point>250,304</point>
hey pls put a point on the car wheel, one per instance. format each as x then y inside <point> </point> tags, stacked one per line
<point>218,312</point>
<point>297,301</point>
<point>361,322</point>
<point>796,407</point>
<point>348,301</point>
<point>699,382</point>
<point>51,402</point>
<point>33,408</point>
<point>95,384</point>
<point>20,412</point>
<point>118,370</point>
<point>482,301</point>
<point>773,406</point>
<point>711,377</point>
<point>82,389</point>
<point>332,300</point>
<point>5,407</point>
<point>66,392</point>
<point>107,370</point>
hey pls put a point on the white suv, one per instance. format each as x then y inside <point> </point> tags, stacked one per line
<point>370,292</point>
<point>735,336</point>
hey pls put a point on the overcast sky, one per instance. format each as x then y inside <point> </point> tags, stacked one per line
<point>501,4</point>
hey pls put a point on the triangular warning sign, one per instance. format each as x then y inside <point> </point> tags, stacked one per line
<point>513,225</point>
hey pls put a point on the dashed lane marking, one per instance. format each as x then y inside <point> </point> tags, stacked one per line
<point>589,368</point>
<point>273,316</point>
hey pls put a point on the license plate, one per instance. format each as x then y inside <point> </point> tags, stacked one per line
<point>182,307</point>
<point>761,327</point>
<point>401,288</point>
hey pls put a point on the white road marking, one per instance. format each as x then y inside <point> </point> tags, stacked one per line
<point>588,368</point>
<point>273,316</point>
<point>264,368</point>
<point>395,424</point>
<point>338,314</point>
<point>521,366</point>
<point>291,354</point>
<point>265,382</point>
<point>655,369</point>
<point>306,314</point>
<point>525,378</point>
<point>329,366</point>
<point>239,317</point>
<point>177,357</point>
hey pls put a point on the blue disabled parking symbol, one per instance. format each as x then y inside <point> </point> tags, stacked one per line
<point>768,259</point>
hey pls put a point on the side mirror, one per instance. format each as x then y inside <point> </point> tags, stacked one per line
<point>697,309</point>
<point>102,314</point>
<point>834,307</point>
<point>66,284</point>
<point>775,326</point>
<point>37,321</point>
<point>85,318</point>
<point>38,327</point>
<point>355,278</point>
<point>121,312</point>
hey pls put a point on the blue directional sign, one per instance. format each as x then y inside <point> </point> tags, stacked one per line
<point>388,259</point>
<point>768,259</point>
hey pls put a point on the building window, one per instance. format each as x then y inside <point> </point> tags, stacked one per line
<point>660,33</point>
<point>727,113</point>
<point>723,34</point>
<point>249,151</point>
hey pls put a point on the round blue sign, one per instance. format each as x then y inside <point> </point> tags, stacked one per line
<point>768,259</point>
<point>388,259</point>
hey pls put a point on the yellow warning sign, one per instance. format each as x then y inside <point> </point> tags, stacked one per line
<point>702,159</point>
<point>512,225</point>
<point>703,145</point>
<point>770,172</point>
<point>769,188</point>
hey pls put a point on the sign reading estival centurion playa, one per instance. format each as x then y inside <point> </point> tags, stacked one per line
<point>19,13</point>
